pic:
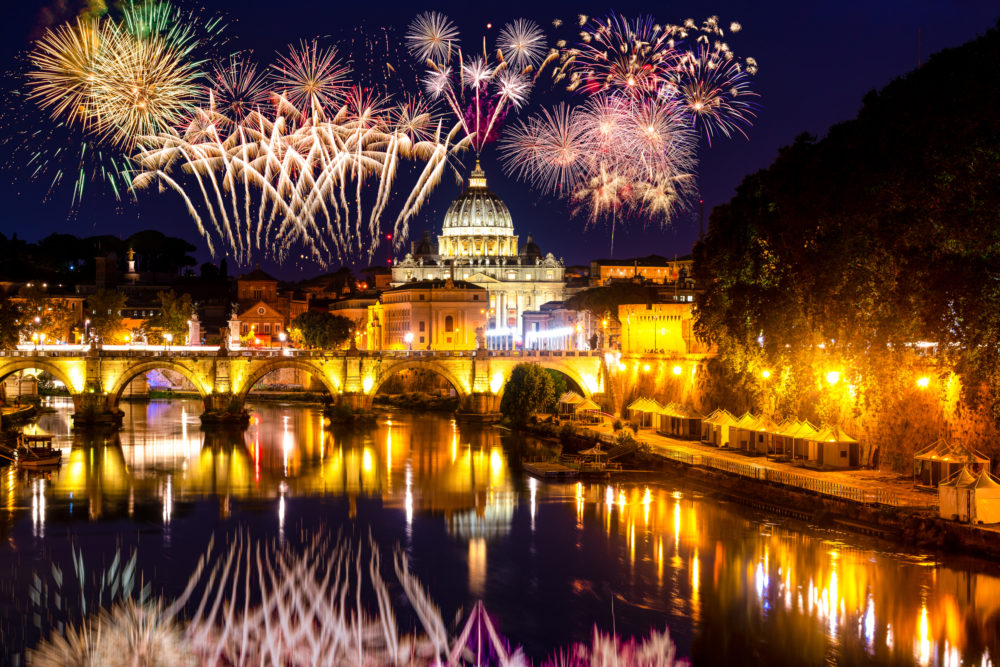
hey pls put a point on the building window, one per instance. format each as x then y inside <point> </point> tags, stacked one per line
<point>421,326</point>
<point>421,297</point>
<point>421,339</point>
<point>256,294</point>
<point>511,275</point>
<point>548,274</point>
<point>475,297</point>
<point>267,328</point>
<point>449,325</point>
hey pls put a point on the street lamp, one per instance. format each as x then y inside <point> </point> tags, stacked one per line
<point>169,338</point>
<point>282,337</point>
<point>86,326</point>
<point>409,339</point>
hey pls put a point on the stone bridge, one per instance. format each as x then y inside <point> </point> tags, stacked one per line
<point>97,378</point>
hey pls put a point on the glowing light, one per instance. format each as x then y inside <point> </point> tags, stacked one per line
<point>923,382</point>
<point>677,370</point>
<point>496,382</point>
<point>833,377</point>
<point>765,374</point>
<point>645,368</point>
<point>366,460</point>
<point>368,383</point>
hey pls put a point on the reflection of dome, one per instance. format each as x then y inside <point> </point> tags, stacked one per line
<point>477,211</point>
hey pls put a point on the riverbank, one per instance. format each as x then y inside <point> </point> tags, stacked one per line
<point>886,511</point>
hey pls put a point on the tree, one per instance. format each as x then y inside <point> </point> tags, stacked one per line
<point>42,314</point>
<point>9,318</point>
<point>848,250</point>
<point>104,308</point>
<point>529,390</point>
<point>322,330</point>
<point>175,312</point>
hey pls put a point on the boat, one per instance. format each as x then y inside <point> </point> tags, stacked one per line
<point>36,451</point>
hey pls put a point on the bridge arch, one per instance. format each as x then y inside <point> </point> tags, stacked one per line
<point>566,369</point>
<point>144,367</point>
<point>386,371</point>
<point>50,368</point>
<point>285,362</point>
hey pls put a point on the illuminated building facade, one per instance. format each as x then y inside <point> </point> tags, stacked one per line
<point>477,244</point>
<point>678,273</point>
<point>442,314</point>
<point>666,328</point>
<point>263,309</point>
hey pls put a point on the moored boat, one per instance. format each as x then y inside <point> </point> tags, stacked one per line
<point>36,451</point>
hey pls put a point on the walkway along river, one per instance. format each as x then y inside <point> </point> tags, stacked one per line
<point>732,584</point>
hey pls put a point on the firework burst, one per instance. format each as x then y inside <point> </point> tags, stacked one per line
<point>300,173</point>
<point>311,77</point>
<point>478,90</point>
<point>650,91</point>
<point>111,82</point>
<point>432,36</point>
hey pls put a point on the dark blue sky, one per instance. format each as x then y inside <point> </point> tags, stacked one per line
<point>816,61</point>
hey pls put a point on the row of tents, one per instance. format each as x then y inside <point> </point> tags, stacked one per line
<point>970,496</point>
<point>826,446</point>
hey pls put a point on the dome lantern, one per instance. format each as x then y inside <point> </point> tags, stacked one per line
<point>477,211</point>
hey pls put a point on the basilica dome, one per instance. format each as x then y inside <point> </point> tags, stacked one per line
<point>477,211</point>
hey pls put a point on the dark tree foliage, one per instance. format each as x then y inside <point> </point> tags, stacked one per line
<point>104,309</point>
<point>883,233</point>
<point>175,312</point>
<point>604,301</point>
<point>529,390</point>
<point>323,330</point>
<point>9,323</point>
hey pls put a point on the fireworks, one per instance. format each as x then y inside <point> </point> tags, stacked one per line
<point>614,154</point>
<point>478,91</point>
<point>432,36</point>
<point>522,43</point>
<point>631,146</point>
<point>111,82</point>
<point>298,173</point>
<point>312,78</point>
<point>688,61</point>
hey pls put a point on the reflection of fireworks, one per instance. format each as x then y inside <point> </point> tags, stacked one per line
<point>478,91</point>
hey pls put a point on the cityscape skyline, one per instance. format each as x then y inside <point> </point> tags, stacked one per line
<point>806,94</point>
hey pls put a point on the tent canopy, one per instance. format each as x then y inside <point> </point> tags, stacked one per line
<point>586,405</point>
<point>831,434</point>
<point>570,398</point>
<point>721,417</point>
<point>950,451</point>
<point>593,451</point>
<point>747,421</point>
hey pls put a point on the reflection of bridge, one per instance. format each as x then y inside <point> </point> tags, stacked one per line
<point>97,378</point>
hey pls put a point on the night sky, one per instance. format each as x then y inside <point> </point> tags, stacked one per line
<point>816,61</point>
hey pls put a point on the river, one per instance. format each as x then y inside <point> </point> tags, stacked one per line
<point>732,585</point>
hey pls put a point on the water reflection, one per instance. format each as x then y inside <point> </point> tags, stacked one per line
<point>550,559</point>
